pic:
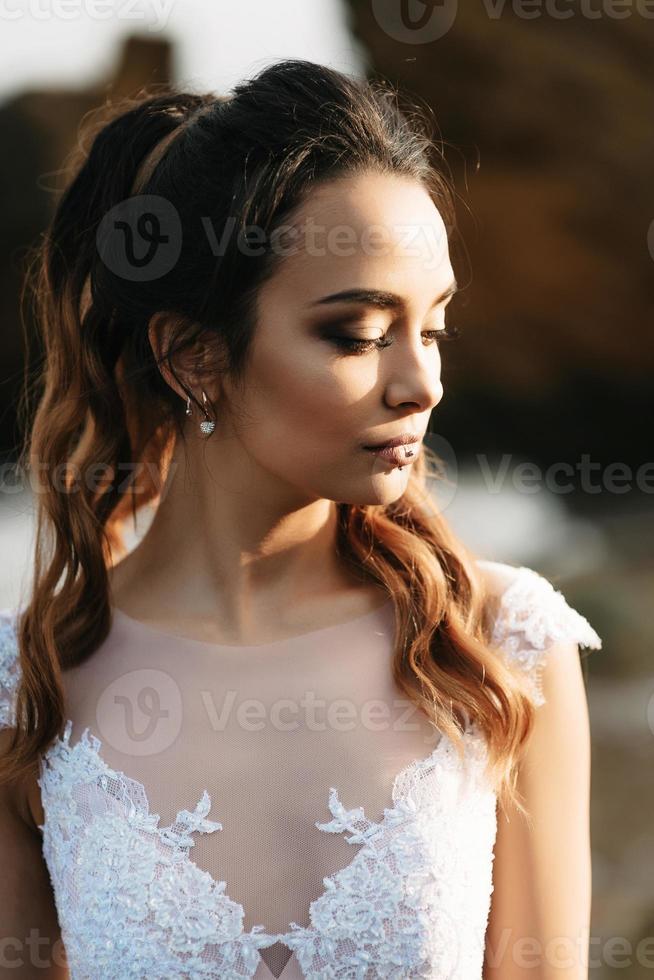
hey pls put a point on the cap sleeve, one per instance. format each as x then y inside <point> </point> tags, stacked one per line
<point>9,667</point>
<point>532,616</point>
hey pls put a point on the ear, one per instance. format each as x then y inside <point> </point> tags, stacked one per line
<point>191,363</point>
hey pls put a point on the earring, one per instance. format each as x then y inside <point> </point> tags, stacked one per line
<point>207,425</point>
<point>189,411</point>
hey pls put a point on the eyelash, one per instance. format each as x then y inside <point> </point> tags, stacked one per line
<point>354,346</point>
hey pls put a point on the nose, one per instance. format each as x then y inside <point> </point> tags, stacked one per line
<point>417,381</point>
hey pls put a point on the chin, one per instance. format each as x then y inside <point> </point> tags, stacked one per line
<point>382,491</point>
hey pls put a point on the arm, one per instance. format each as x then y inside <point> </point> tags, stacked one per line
<point>30,939</point>
<point>541,901</point>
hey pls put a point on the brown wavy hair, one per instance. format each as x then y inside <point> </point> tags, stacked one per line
<point>101,401</point>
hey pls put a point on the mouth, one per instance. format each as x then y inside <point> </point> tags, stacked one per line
<point>398,455</point>
<point>405,439</point>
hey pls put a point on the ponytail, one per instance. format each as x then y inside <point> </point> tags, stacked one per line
<point>83,440</point>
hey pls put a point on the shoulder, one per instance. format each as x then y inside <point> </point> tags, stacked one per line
<point>23,800</point>
<point>530,609</point>
<point>536,629</point>
<point>9,665</point>
<point>532,620</point>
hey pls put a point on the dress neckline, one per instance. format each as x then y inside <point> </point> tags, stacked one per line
<point>118,617</point>
<point>408,791</point>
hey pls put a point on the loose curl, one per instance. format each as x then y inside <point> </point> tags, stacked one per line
<point>248,159</point>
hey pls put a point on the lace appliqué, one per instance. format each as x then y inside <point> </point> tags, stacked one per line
<point>131,903</point>
<point>414,901</point>
<point>9,668</point>
<point>532,616</point>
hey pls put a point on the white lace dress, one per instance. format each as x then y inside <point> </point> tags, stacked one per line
<point>354,847</point>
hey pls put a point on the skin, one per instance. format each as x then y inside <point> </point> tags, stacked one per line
<point>248,520</point>
<point>249,513</point>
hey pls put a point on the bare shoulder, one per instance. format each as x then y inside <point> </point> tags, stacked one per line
<point>497,576</point>
<point>21,799</point>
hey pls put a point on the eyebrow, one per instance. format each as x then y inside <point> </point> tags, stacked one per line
<point>379,298</point>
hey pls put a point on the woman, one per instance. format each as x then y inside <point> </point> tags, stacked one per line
<point>299,653</point>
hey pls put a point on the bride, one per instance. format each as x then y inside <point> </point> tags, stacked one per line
<point>300,730</point>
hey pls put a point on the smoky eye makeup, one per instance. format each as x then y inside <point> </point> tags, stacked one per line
<point>344,342</point>
<point>354,328</point>
<point>367,316</point>
<point>350,332</point>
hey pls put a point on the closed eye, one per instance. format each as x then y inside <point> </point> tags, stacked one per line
<point>356,346</point>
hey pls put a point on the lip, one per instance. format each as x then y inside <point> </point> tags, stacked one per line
<point>405,439</point>
<point>397,454</point>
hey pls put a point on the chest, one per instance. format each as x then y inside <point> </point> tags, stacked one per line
<point>416,887</point>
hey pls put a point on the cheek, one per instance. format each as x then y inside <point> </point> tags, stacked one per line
<point>308,397</point>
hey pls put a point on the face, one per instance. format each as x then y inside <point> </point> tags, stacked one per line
<point>328,376</point>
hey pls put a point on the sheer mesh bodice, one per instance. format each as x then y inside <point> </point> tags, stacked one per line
<point>277,810</point>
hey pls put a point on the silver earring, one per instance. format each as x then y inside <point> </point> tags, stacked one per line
<point>189,410</point>
<point>207,425</point>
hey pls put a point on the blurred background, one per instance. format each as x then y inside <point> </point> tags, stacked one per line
<point>545,430</point>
